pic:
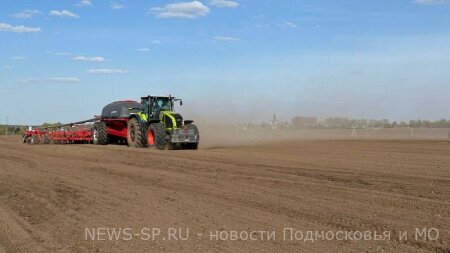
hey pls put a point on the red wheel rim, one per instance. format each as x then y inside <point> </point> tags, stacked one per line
<point>150,138</point>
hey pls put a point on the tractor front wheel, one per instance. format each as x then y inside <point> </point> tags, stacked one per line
<point>156,136</point>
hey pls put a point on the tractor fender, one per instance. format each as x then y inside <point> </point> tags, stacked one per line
<point>143,118</point>
<point>136,116</point>
<point>187,122</point>
<point>142,123</point>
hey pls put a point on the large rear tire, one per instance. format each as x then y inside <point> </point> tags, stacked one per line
<point>100,133</point>
<point>156,136</point>
<point>134,134</point>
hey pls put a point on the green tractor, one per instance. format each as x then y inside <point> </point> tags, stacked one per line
<point>155,123</point>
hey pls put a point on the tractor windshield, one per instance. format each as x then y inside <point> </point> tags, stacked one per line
<point>161,104</point>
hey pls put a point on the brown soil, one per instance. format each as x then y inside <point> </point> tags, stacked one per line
<point>50,195</point>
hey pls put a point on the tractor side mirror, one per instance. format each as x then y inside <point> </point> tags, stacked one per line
<point>181,102</point>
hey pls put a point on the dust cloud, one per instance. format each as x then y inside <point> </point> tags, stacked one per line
<point>218,136</point>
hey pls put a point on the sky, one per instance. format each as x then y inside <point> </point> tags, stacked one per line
<point>238,61</point>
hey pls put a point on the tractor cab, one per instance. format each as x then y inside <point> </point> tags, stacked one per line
<point>153,106</point>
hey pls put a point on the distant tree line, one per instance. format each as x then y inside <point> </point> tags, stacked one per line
<point>12,130</point>
<point>19,129</point>
<point>342,122</point>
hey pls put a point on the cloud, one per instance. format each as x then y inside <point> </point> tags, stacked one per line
<point>18,58</point>
<point>50,80</point>
<point>226,39</point>
<point>63,54</point>
<point>4,89</point>
<point>156,42</point>
<point>26,14</point>
<point>429,1</point>
<point>18,29</point>
<point>143,49</point>
<point>224,3</point>
<point>192,9</point>
<point>262,26</point>
<point>90,59</point>
<point>63,14</point>
<point>117,6</point>
<point>84,3</point>
<point>63,79</point>
<point>289,25</point>
<point>107,71</point>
